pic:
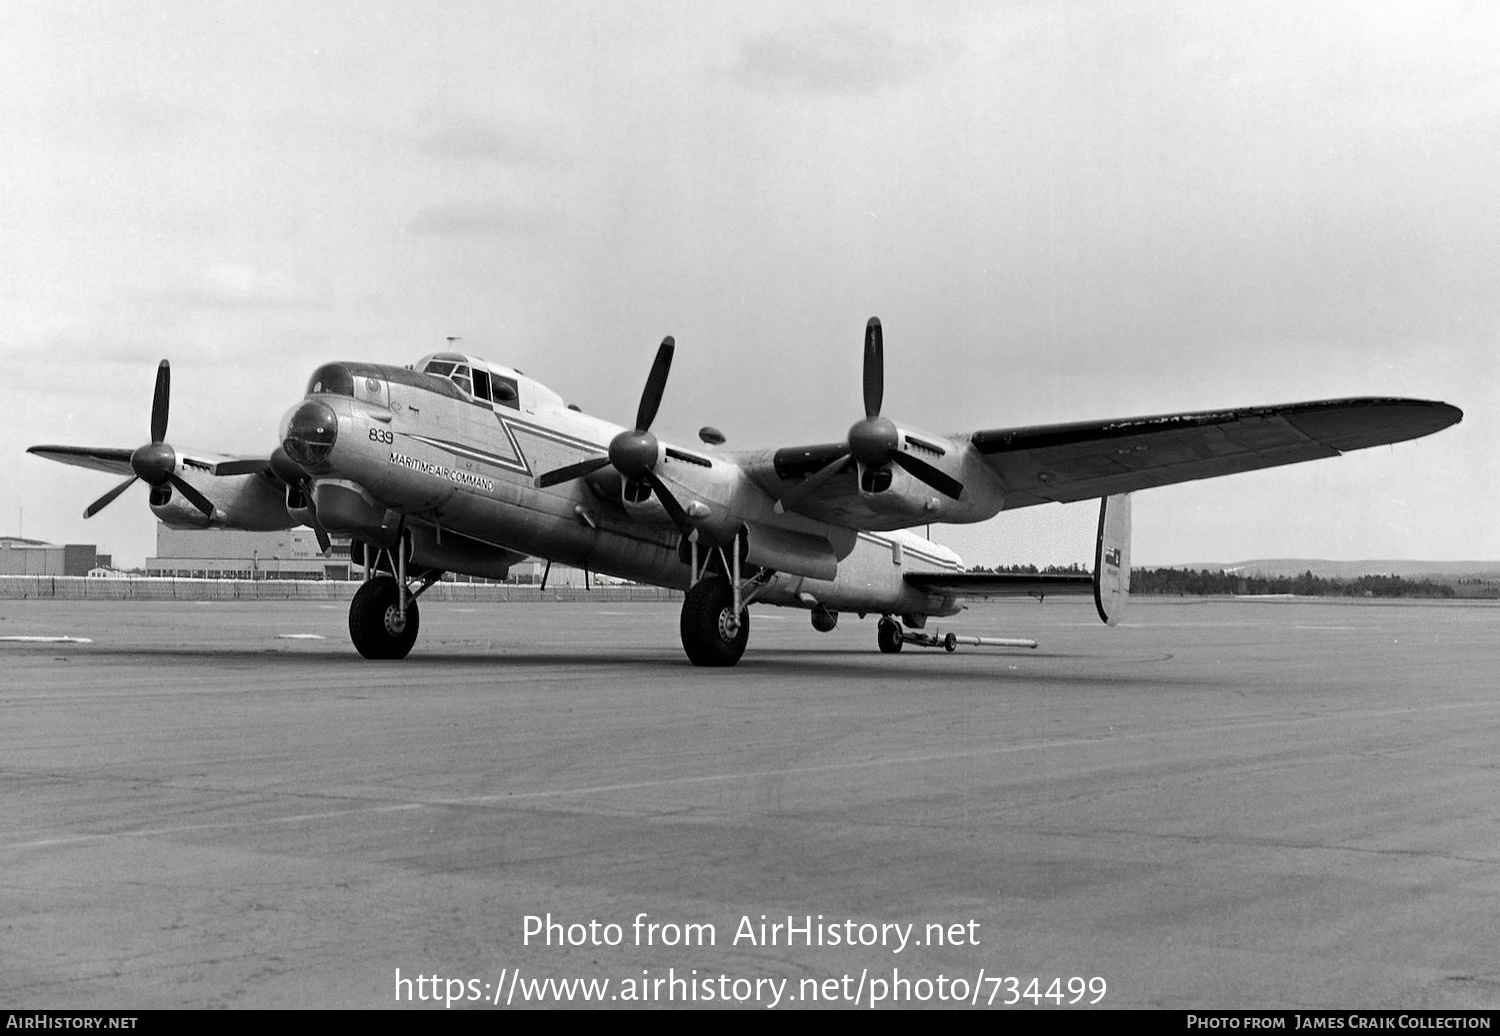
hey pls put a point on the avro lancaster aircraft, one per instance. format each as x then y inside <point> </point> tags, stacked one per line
<point>460,465</point>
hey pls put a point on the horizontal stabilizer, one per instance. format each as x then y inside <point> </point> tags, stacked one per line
<point>1001,584</point>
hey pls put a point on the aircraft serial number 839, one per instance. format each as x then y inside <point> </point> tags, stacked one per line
<point>459,465</point>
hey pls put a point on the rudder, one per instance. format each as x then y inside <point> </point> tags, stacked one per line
<point>1112,558</point>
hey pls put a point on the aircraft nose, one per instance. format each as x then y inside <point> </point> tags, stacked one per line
<point>311,432</point>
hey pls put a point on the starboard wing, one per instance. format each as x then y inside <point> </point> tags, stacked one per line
<point>1095,459</point>
<point>1067,462</point>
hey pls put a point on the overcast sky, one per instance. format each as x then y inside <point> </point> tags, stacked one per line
<point>1060,211</point>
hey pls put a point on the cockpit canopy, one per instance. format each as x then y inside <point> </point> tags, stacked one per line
<point>462,377</point>
<point>474,380</point>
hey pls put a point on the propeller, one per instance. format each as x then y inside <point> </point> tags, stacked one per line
<point>634,453</point>
<point>874,441</point>
<point>156,463</point>
<point>290,472</point>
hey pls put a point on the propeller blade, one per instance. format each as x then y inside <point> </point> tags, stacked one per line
<point>323,541</point>
<point>656,384</point>
<point>286,469</point>
<point>568,472</point>
<point>161,402</point>
<point>874,368</point>
<point>243,466</point>
<point>674,509</point>
<point>943,483</point>
<point>108,498</point>
<point>810,485</point>
<point>196,498</point>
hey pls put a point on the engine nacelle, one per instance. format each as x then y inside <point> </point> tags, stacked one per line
<point>240,502</point>
<point>892,491</point>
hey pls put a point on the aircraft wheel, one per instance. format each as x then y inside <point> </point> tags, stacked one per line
<point>950,643</point>
<point>375,623</point>
<point>888,636</point>
<point>711,634</point>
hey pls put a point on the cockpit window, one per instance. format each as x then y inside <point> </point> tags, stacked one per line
<point>504,392</point>
<point>476,382</point>
<point>332,378</point>
<point>458,373</point>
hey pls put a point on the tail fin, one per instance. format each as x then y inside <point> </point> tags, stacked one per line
<point>1112,558</point>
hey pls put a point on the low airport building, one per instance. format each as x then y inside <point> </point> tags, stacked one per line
<point>238,554</point>
<point>23,557</point>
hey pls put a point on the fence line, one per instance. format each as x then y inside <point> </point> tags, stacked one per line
<point>156,588</point>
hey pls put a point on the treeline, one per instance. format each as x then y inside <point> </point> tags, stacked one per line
<point>1183,581</point>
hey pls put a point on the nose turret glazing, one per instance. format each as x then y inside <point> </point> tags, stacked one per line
<point>311,431</point>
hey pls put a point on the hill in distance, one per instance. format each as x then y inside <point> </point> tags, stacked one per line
<point>1445,571</point>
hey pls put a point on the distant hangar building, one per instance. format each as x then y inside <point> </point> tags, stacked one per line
<point>23,557</point>
<point>238,554</point>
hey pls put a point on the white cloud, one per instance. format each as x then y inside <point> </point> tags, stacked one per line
<point>493,217</point>
<point>831,58</point>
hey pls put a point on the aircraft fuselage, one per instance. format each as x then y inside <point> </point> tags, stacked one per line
<point>414,447</point>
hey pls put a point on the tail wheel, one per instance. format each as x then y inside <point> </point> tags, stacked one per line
<point>888,636</point>
<point>712,635</point>
<point>375,622</point>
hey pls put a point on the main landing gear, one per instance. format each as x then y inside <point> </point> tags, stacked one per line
<point>383,617</point>
<point>714,633</point>
<point>378,624</point>
<point>715,623</point>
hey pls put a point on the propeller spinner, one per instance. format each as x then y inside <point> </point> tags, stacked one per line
<point>634,453</point>
<point>156,462</point>
<point>874,441</point>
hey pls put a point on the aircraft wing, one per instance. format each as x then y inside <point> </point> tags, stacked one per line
<point>99,458</point>
<point>1093,459</point>
<point>116,460</point>
<point>1067,462</point>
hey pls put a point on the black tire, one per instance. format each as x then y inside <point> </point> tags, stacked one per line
<point>888,636</point>
<point>950,643</point>
<point>374,623</point>
<point>707,614</point>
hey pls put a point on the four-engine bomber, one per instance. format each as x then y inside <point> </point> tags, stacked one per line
<point>460,465</point>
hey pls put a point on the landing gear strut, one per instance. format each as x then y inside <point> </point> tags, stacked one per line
<point>712,633</point>
<point>383,617</point>
<point>715,614</point>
